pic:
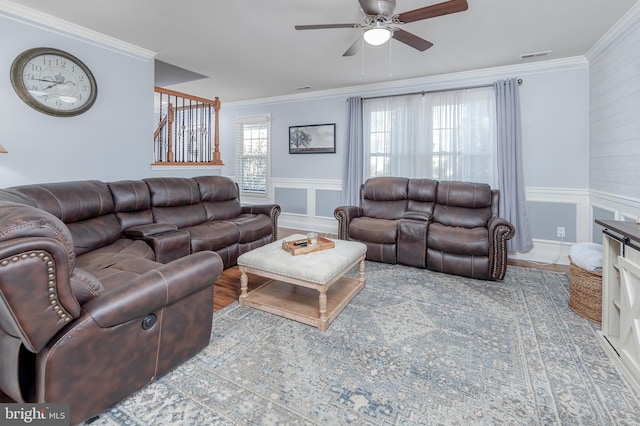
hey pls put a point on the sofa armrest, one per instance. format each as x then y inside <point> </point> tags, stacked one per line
<point>500,230</point>
<point>345,214</point>
<point>146,230</point>
<point>155,289</point>
<point>271,210</point>
<point>412,241</point>
<point>36,260</point>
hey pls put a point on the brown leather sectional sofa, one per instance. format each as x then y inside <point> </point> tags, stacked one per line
<point>444,226</point>
<point>106,286</point>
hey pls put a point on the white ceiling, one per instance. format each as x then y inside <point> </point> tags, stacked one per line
<point>249,49</point>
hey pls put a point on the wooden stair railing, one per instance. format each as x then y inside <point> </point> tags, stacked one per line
<point>188,131</point>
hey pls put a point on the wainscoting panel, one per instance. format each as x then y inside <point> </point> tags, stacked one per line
<point>548,208</point>
<point>319,197</point>
<point>545,218</point>
<point>292,200</point>
<point>326,202</point>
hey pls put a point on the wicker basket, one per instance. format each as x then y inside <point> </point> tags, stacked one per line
<point>585,292</point>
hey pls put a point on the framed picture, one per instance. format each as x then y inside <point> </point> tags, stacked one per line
<point>312,139</point>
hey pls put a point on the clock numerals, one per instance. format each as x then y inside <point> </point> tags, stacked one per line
<point>53,82</point>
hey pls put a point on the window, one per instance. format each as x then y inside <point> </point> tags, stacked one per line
<point>446,135</point>
<point>253,142</point>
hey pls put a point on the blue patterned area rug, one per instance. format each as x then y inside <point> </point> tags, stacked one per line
<point>414,347</point>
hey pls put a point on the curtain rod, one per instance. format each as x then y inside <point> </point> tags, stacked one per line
<point>436,91</point>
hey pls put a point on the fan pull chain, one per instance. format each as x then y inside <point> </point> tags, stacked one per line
<point>390,63</point>
<point>363,49</point>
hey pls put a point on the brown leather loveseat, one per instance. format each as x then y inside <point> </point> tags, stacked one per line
<point>444,226</point>
<point>106,286</point>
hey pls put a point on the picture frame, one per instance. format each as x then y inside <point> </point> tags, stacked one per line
<point>312,139</point>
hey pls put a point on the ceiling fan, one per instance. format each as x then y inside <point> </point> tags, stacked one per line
<point>380,23</point>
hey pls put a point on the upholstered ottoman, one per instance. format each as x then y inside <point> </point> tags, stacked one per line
<point>310,288</point>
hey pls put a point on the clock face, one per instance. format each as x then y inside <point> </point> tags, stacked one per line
<point>53,82</point>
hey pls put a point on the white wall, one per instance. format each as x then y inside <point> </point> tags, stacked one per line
<point>110,141</point>
<point>615,116</point>
<point>555,128</point>
<point>614,167</point>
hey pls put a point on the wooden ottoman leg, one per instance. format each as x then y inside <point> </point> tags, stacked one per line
<point>244,281</point>
<point>322,322</point>
<point>361,274</point>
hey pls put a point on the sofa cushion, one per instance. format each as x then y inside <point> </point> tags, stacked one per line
<point>459,264</point>
<point>121,251</point>
<point>130,195</point>
<point>167,192</point>
<point>125,271</point>
<point>180,216</point>
<point>456,240</point>
<point>463,204</point>
<point>213,235</point>
<point>176,201</point>
<point>385,197</point>
<point>94,233</point>
<point>70,201</point>
<point>461,216</point>
<point>422,195</point>
<point>464,194</point>
<point>217,188</point>
<point>85,206</point>
<point>219,196</point>
<point>132,202</point>
<point>219,210</point>
<point>252,227</point>
<point>381,231</point>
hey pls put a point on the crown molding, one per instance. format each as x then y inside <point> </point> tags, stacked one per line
<point>28,16</point>
<point>624,26</point>
<point>436,82</point>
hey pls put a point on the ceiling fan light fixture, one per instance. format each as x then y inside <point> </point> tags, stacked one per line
<point>377,35</point>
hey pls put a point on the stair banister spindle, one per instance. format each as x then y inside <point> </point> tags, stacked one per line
<point>186,134</point>
<point>216,152</point>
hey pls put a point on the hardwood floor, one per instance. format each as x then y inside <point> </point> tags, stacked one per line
<point>227,288</point>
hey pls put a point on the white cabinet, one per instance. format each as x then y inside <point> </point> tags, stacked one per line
<point>621,294</point>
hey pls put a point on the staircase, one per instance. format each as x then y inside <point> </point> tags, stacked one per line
<point>187,132</point>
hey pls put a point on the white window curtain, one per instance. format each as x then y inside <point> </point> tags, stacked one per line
<point>448,135</point>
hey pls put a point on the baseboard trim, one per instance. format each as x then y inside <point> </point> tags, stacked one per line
<point>546,252</point>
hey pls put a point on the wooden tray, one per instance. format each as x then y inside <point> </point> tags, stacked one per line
<point>323,244</point>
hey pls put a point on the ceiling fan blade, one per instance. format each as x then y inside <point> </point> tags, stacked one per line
<point>444,8</point>
<point>326,26</point>
<point>370,7</point>
<point>354,48</point>
<point>411,40</point>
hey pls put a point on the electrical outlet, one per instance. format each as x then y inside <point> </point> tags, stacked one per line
<point>561,231</point>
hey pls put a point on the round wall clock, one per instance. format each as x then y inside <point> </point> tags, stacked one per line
<point>53,82</point>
